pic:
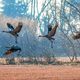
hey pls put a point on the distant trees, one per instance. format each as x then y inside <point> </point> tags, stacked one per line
<point>13,9</point>
<point>66,12</point>
<point>69,16</point>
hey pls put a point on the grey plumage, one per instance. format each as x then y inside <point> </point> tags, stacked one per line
<point>15,31</point>
<point>51,33</point>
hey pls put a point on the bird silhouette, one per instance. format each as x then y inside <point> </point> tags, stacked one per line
<point>77,36</point>
<point>15,31</point>
<point>51,34</point>
<point>12,50</point>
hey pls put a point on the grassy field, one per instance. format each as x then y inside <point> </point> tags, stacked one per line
<point>39,72</point>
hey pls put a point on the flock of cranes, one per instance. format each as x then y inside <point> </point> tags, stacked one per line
<point>15,32</point>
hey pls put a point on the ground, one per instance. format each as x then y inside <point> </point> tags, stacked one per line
<point>39,72</point>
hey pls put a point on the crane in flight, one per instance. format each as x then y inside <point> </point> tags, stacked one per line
<point>14,31</point>
<point>77,36</point>
<point>51,34</point>
<point>12,49</point>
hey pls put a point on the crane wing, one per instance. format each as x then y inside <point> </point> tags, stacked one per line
<point>18,28</point>
<point>53,31</point>
<point>49,28</point>
<point>10,26</point>
<point>8,52</point>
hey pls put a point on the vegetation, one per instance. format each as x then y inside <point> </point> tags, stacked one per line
<point>66,13</point>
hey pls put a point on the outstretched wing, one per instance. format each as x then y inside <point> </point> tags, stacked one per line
<point>53,31</point>
<point>18,28</point>
<point>49,28</point>
<point>8,52</point>
<point>10,26</point>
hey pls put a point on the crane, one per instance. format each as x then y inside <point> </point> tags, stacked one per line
<point>12,49</point>
<point>51,34</point>
<point>14,31</point>
<point>77,36</point>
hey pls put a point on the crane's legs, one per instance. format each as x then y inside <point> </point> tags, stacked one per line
<point>52,39</point>
<point>16,40</point>
<point>51,43</point>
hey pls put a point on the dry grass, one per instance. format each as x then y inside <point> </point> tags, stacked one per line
<point>39,72</point>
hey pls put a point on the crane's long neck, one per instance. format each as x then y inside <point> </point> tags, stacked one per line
<point>6,31</point>
<point>42,35</point>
